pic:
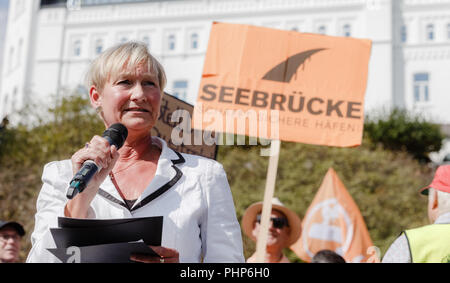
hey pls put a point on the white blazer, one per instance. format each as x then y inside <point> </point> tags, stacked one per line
<point>199,214</point>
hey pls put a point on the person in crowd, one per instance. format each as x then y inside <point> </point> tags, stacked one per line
<point>429,243</point>
<point>284,230</point>
<point>11,234</point>
<point>144,177</point>
<point>327,256</point>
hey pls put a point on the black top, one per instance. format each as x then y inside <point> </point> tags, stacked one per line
<point>130,203</point>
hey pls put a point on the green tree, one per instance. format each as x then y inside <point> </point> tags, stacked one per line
<point>25,149</point>
<point>384,184</point>
<point>401,131</point>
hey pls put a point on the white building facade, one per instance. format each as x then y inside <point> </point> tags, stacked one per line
<point>48,47</point>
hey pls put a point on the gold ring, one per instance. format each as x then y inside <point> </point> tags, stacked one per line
<point>161,260</point>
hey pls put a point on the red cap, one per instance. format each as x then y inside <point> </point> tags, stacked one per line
<point>441,181</point>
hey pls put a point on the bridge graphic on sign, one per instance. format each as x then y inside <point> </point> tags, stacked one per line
<point>284,71</point>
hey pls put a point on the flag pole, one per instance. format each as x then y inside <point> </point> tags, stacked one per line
<point>267,203</point>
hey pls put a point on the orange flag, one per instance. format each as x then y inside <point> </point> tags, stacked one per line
<point>334,222</point>
<point>298,87</point>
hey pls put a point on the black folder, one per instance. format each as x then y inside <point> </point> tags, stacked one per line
<point>110,240</point>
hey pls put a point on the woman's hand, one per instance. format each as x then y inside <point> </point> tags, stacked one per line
<point>101,152</point>
<point>166,255</point>
<point>105,156</point>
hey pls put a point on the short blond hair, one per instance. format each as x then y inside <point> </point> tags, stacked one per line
<point>111,63</point>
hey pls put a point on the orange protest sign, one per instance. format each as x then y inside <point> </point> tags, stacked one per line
<point>303,87</point>
<point>334,222</point>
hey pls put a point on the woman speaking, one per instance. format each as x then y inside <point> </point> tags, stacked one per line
<point>144,177</point>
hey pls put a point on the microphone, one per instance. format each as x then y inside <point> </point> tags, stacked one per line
<point>115,135</point>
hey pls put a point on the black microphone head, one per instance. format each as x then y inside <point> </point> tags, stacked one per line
<point>116,134</point>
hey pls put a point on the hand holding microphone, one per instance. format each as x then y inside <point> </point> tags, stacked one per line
<point>92,164</point>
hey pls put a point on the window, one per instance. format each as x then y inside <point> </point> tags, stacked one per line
<point>347,30</point>
<point>171,42</point>
<point>146,40</point>
<point>430,32</point>
<point>322,30</point>
<point>194,41</point>
<point>98,46</point>
<point>404,34</point>
<point>421,88</point>
<point>73,5</point>
<point>77,48</point>
<point>180,89</point>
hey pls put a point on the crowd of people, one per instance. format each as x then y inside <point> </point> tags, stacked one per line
<point>147,178</point>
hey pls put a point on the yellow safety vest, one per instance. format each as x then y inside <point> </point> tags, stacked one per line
<point>429,244</point>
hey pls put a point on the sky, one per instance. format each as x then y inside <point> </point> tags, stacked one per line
<point>3,18</point>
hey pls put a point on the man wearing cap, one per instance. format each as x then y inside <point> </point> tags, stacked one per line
<point>10,235</point>
<point>429,243</point>
<point>284,230</point>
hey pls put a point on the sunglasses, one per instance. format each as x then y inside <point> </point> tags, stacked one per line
<point>277,222</point>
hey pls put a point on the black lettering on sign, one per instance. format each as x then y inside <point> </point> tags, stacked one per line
<point>208,89</point>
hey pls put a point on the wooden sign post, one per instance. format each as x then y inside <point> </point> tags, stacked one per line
<point>267,203</point>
